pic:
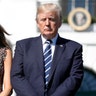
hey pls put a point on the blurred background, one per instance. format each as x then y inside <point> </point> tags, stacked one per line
<point>18,18</point>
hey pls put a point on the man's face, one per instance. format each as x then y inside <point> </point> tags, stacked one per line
<point>48,23</point>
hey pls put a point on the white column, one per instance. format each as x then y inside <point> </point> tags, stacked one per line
<point>73,4</point>
<point>86,4</point>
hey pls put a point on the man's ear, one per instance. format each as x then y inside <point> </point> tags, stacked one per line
<point>36,20</point>
<point>60,22</point>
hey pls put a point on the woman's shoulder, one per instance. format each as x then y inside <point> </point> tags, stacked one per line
<point>8,50</point>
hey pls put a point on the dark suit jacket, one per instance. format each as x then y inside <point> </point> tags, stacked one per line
<point>27,75</point>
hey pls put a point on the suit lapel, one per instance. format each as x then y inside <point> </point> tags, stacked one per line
<point>39,55</point>
<point>59,49</point>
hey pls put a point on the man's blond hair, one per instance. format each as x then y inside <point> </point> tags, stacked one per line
<point>49,7</point>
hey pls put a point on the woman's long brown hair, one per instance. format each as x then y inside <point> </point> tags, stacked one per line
<point>3,42</point>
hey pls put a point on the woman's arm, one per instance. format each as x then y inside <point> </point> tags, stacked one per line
<point>6,79</point>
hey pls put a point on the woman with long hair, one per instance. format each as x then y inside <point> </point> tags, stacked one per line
<point>5,64</point>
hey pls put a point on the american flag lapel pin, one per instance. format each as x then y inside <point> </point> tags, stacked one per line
<point>61,45</point>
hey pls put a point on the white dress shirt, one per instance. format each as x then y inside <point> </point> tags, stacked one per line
<point>52,44</point>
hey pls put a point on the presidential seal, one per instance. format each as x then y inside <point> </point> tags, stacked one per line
<point>79,19</point>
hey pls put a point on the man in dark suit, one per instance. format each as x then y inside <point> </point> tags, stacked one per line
<point>66,64</point>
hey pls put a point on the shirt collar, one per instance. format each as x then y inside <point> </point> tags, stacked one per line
<point>53,39</point>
